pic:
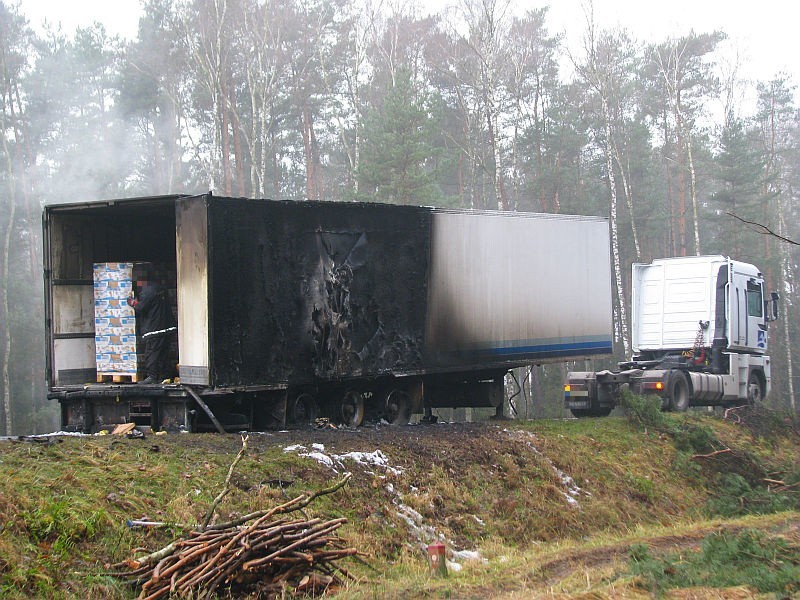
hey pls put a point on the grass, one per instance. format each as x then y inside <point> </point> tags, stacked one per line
<point>547,504</point>
<point>725,559</point>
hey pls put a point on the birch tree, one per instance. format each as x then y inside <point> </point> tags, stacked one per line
<point>487,23</point>
<point>777,119</point>
<point>601,70</point>
<point>532,76</point>
<point>14,47</point>
<point>264,32</point>
<point>207,28</point>
<point>152,99</point>
<point>686,79</point>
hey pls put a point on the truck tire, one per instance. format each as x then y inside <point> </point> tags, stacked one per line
<point>678,391</point>
<point>755,388</point>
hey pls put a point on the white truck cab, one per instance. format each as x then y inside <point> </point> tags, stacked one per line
<point>699,336</point>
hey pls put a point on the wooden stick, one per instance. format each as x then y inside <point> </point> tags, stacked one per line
<point>227,487</point>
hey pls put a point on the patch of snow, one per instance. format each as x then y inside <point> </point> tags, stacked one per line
<point>572,490</point>
<point>424,534</point>
<point>320,458</point>
<point>467,555</point>
<point>415,521</point>
<point>375,459</point>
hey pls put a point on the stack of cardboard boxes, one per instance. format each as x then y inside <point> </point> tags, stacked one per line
<point>118,356</point>
<point>114,321</point>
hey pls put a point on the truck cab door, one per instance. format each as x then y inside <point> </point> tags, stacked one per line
<point>748,325</point>
<point>756,323</point>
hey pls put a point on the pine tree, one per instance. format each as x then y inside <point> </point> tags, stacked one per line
<point>739,171</point>
<point>398,163</point>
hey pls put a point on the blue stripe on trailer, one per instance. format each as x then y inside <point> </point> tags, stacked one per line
<point>594,347</point>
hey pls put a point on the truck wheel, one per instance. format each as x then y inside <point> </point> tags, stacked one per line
<point>303,410</point>
<point>352,408</point>
<point>397,408</point>
<point>755,388</point>
<point>678,392</point>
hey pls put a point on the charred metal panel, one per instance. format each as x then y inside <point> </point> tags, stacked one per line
<point>308,290</point>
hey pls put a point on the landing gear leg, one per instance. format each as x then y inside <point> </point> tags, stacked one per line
<point>498,413</point>
<point>428,416</point>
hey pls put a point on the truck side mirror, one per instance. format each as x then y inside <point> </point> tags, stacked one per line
<point>772,307</point>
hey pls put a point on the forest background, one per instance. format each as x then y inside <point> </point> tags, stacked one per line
<point>479,106</point>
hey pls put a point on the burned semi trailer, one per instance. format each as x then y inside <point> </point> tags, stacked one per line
<point>287,311</point>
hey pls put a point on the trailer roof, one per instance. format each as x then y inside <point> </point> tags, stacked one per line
<point>168,200</point>
<point>117,203</point>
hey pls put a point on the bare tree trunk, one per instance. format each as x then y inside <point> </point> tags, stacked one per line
<point>628,200</point>
<point>225,138</point>
<point>497,175</point>
<point>238,151</point>
<point>4,306</point>
<point>786,277</point>
<point>623,319</point>
<point>681,186</point>
<point>306,129</point>
<point>693,190</point>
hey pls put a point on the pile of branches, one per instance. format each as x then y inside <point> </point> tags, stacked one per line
<point>264,550</point>
<point>763,421</point>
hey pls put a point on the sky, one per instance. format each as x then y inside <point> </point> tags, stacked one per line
<point>762,34</point>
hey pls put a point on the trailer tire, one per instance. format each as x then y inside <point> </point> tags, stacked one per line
<point>755,388</point>
<point>679,395</point>
<point>397,407</point>
<point>303,410</point>
<point>352,408</point>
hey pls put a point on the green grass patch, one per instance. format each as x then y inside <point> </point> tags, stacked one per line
<point>748,558</point>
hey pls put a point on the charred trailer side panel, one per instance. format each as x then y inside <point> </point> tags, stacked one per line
<point>297,293</point>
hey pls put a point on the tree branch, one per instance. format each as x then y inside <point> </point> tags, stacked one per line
<point>227,486</point>
<point>762,229</point>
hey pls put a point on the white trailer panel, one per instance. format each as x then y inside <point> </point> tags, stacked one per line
<point>510,284</point>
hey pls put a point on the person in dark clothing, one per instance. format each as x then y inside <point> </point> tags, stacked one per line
<point>154,317</point>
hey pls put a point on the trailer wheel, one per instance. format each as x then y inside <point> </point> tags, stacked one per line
<point>678,392</point>
<point>353,408</point>
<point>397,407</point>
<point>303,410</point>
<point>755,388</point>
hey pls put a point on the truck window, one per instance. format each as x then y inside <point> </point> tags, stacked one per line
<point>755,302</point>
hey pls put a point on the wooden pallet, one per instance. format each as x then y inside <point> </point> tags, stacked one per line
<point>117,377</point>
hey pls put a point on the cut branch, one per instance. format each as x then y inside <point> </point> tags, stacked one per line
<point>227,487</point>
